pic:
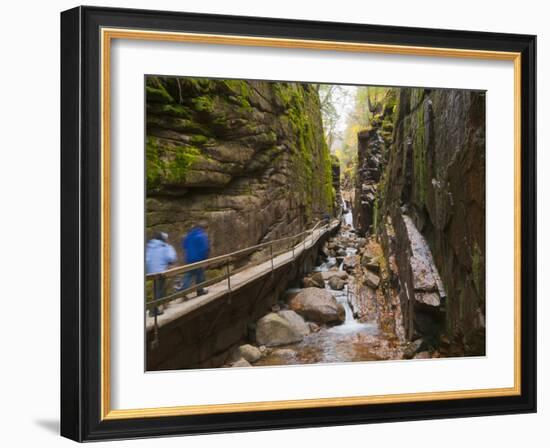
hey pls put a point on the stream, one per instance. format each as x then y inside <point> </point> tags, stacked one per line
<point>353,340</point>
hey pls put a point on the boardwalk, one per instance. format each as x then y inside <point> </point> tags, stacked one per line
<point>218,290</point>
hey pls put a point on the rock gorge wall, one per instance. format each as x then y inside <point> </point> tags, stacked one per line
<point>421,190</point>
<point>373,145</point>
<point>245,159</point>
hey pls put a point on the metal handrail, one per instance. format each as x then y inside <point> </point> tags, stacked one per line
<point>221,258</point>
<point>225,259</point>
<point>228,272</point>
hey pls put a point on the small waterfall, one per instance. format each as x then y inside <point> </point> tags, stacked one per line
<point>350,324</point>
<point>348,214</point>
<point>348,218</point>
<point>331,261</point>
<point>347,307</point>
<point>351,251</point>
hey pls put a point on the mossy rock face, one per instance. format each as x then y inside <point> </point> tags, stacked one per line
<point>432,146</point>
<point>167,162</point>
<point>243,155</point>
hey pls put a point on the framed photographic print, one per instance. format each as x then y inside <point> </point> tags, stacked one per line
<point>275,224</point>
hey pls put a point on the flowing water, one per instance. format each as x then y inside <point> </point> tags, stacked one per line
<point>348,214</point>
<point>350,341</point>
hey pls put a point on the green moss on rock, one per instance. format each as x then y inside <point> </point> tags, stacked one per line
<point>419,154</point>
<point>167,164</point>
<point>477,266</point>
<point>277,126</point>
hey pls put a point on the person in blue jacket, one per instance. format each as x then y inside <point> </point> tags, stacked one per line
<point>159,255</point>
<point>196,247</point>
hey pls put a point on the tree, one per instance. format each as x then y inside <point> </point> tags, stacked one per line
<point>331,95</point>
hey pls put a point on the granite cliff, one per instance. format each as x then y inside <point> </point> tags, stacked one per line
<point>245,159</point>
<point>420,189</point>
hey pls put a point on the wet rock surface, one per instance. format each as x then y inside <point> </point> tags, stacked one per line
<point>241,363</point>
<point>328,275</point>
<point>371,279</point>
<point>368,330</point>
<point>296,321</point>
<point>232,154</point>
<point>247,352</point>
<point>273,330</point>
<point>420,189</point>
<point>408,282</point>
<point>315,280</point>
<point>336,283</point>
<point>317,305</point>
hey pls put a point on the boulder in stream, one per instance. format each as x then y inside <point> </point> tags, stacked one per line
<point>412,349</point>
<point>296,321</point>
<point>371,279</point>
<point>327,275</point>
<point>318,305</point>
<point>313,327</point>
<point>318,280</point>
<point>371,263</point>
<point>360,242</point>
<point>241,363</point>
<point>273,330</point>
<point>350,262</point>
<point>422,355</point>
<point>314,281</point>
<point>247,352</point>
<point>336,283</point>
<point>284,353</point>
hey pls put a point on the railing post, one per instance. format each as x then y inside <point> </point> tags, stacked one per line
<point>155,341</point>
<point>312,233</point>
<point>228,274</point>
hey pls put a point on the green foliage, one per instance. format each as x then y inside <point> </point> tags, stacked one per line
<point>333,99</point>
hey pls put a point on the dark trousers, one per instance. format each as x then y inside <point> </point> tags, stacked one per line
<point>159,291</point>
<point>195,274</point>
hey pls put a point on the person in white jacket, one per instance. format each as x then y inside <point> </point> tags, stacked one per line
<point>159,255</point>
